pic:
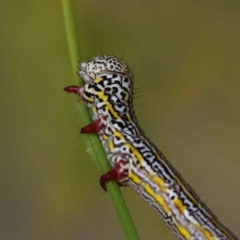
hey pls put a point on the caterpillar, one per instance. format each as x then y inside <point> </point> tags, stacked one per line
<point>135,160</point>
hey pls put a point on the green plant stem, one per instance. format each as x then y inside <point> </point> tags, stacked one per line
<point>94,146</point>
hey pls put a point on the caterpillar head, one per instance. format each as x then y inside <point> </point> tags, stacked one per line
<point>91,69</point>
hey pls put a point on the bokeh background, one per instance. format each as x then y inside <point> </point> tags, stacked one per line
<point>185,56</point>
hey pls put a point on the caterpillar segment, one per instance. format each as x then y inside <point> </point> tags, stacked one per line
<point>91,69</point>
<point>135,160</point>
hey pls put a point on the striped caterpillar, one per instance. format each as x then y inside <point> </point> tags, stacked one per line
<point>135,160</point>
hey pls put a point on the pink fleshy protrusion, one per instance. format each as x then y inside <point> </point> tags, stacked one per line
<point>115,174</point>
<point>94,127</point>
<point>74,89</point>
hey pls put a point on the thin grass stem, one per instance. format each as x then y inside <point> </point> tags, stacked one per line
<point>94,146</point>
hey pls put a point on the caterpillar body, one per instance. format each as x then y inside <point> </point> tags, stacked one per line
<point>135,160</point>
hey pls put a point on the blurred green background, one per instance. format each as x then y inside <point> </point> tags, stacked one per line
<point>185,56</point>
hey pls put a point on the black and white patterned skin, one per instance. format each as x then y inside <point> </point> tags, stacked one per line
<point>108,92</point>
